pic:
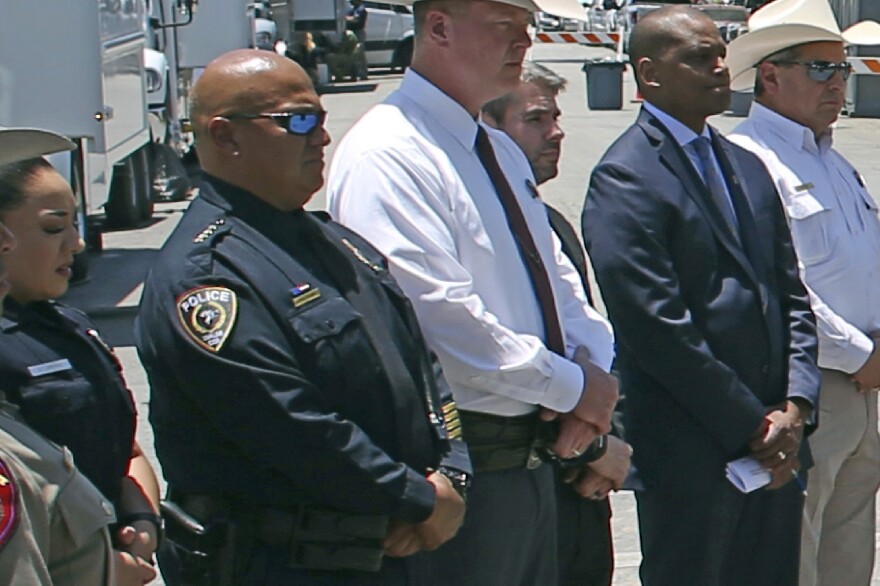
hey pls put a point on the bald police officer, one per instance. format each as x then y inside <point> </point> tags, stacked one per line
<point>298,414</point>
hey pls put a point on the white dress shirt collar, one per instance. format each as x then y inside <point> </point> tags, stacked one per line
<point>794,133</point>
<point>446,112</point>
<point>681,133</point>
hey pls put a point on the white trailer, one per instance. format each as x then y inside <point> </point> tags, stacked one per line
<point>77,68</point>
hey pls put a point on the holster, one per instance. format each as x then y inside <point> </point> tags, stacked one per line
<point>201,542</point>
<point>212,538</point>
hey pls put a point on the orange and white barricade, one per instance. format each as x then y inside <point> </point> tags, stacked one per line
<point>865,65</point>
<point>582,38</point>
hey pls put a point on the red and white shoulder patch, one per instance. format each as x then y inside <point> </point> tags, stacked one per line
<point>8,504</point>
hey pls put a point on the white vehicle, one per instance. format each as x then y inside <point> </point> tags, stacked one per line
<point>77,68</point>
<point>389,34</point>
<point>730,19</point>
<point>389,29</point>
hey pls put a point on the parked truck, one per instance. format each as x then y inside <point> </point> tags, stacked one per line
<point>114,76</point>
<point>77,68</point>
<point>389,29</point>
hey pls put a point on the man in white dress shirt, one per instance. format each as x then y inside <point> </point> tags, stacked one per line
<point>410,177</point>
<point>800,89</point>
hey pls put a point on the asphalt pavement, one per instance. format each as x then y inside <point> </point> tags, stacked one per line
<point>113,290</point>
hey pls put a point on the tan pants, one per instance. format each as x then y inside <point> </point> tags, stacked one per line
<point>837,539</point>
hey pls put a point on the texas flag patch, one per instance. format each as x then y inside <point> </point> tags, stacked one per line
<point>8,504</point>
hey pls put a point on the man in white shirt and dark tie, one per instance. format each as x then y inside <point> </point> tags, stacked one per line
<point>452,204</point>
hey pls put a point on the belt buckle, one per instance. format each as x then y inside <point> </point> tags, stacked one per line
<point>534,460</point>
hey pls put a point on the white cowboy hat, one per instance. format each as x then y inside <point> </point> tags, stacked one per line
<point>19,144</point>
<point>787,23</point>
<point>563,8</point>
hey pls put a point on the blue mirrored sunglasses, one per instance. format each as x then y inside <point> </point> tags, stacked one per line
<point>298,123</point>
<point>821,71</point>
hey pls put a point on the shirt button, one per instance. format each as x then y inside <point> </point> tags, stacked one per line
<point>108,508</point>
<point>68,460</point>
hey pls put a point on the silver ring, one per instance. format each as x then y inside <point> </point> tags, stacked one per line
<point>577,453</point>
<point>782,455</point>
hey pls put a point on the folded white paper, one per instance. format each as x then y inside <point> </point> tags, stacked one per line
<point>747,474</point>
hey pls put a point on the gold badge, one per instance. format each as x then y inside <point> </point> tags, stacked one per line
<point>207,315</point>
<point>450,418</point>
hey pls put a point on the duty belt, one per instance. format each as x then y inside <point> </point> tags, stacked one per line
<point>498,443</point>
<point>313,537</point>
<point>323,539</point>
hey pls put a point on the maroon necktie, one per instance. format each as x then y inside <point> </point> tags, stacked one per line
<point>527,249</point>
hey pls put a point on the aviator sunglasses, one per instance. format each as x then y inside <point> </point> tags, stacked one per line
<point>821,71</point>
<point>297,123</point>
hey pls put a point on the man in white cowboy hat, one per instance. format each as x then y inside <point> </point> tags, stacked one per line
<point>795,53</point>
<point>452,204</point>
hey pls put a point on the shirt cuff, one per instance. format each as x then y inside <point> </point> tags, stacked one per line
<point>846,359</point>
<point>417,502</point>
<point>566,386</point>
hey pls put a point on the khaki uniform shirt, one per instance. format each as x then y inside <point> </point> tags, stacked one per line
<point>54,525</point>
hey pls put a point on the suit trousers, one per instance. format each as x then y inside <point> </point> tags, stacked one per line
<point>717,536</point>
<point>586,554</point>
<point>508,537</point>
<point>837,547</point>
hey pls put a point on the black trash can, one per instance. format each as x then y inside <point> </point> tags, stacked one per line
<point>741,103</point>
<point>604,84</point>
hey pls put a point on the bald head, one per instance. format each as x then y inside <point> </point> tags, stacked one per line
<point>243,81</point>
<point>678,57</point>
<point>662,29</point>
<point>241,112</point>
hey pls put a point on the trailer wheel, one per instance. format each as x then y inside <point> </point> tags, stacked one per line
<point>144,175</point>
<point>87,230</point>
<point>123,208</point>
<point>403,54</point>
<point>80,268</point>
<point>170,181</point>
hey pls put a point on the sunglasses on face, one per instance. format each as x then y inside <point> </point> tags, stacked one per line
<point>297,123</point>
<point>821,71</point>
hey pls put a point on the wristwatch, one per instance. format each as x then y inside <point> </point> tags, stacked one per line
<point>461,481</point>
<point>153,518</point>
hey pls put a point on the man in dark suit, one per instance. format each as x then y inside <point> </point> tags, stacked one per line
<point>716,341</point>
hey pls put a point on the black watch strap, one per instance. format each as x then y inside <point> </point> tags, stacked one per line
<point>153,518</point>
<point>460,481</point>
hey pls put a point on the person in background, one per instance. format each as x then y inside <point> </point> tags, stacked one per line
<point>53,362</point>
<point>717,343</point>
<point>800,88</point>
<point>530,116</point>
<point>356,22</point>
<point>55,524</point>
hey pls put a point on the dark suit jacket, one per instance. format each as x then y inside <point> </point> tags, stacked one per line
<point>710,331</point>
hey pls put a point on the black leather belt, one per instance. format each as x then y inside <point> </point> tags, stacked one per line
<point>498,443</point>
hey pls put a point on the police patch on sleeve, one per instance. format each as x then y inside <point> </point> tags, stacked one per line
<point>8,504</point>
<point>207,315</point>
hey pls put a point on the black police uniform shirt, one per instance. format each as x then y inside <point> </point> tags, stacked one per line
<point>265,383</point>
<point>69,386</point>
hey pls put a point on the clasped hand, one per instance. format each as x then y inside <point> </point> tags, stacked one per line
<point>591,416</point>
<point>776,442</point>
<point>404,539</point>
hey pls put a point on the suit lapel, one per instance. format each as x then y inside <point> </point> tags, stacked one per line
<point>674,157</point>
